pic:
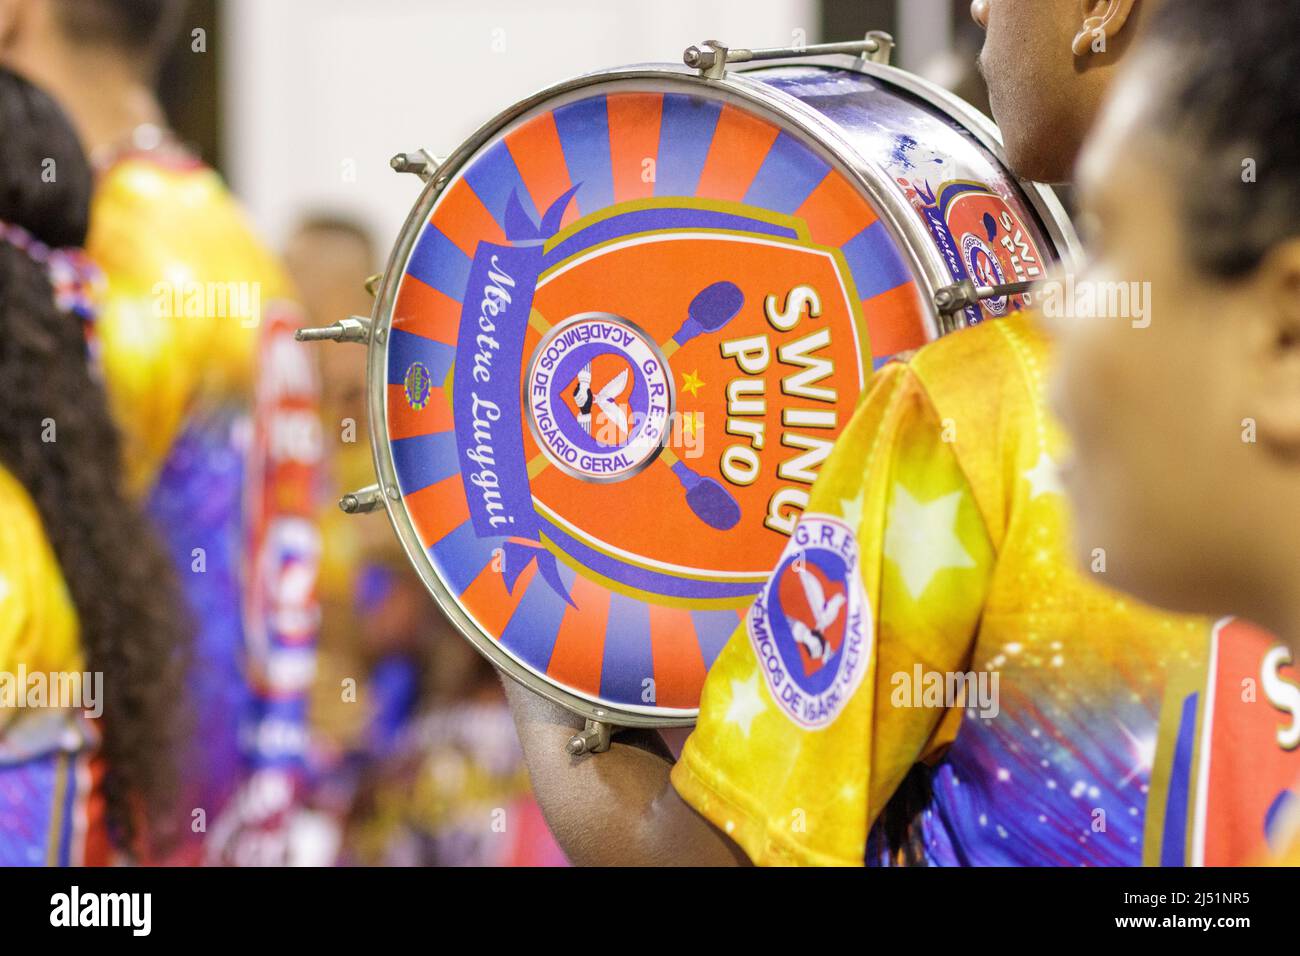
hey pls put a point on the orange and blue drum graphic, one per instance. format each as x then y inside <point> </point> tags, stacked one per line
<point>622,344</point>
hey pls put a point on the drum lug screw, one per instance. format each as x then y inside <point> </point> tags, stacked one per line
<point>362,501</point>
<point>421,163</point>
<point>711,61</point>
<point>953,298</point>
<point>592,739</point>
<point>878,47</point>
<point>355,328</point>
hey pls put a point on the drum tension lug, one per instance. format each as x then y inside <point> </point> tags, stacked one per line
<point>953,298</point>
<point>421,162</point>
<point>355,328</point>
<point>592,739</point>
<point>883,50</point>
<point>711,61</point>
<point>362,501</point>
<point>372,284</point>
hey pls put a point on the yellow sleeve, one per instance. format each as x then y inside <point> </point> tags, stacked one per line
<point>814,712</point>
<point>38,625</point>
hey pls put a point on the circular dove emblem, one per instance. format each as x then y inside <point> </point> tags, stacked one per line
<point>983,267</point>
<point>600,397</point>
<point>811,625</point>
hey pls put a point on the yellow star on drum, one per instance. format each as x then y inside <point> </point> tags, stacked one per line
<point>691,382</point>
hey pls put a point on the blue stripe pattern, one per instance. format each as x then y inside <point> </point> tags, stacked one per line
<point>461,555</point>
<point>713,629</point>
<point>535,625</point>
<point>789,174</point>
<point>875,262</point>
<point>1173,843</point>
<point>685,135</point>
<point>629,658</point>
<point>493,176</point>
<point>424,460</point>
<point>439,262</point>
<point>584,137</point>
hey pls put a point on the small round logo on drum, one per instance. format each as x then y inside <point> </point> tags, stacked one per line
<point>984,270</point>
<point>600,397</point>
<point>811,625</point>
<point>416,384</point>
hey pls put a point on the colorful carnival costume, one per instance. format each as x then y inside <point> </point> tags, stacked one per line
<point>217,409</point>
<point>935,544</point>
<point>51,806</point>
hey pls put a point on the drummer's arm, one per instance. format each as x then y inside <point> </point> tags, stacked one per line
<point>616,808</point>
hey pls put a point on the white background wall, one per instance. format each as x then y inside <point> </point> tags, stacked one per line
<point>321,93</point>
<point>924,32</point>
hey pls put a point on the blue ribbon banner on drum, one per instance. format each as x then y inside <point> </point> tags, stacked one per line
<point>490,348</point>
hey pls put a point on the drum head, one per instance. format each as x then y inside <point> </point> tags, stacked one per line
<point>621,341</point>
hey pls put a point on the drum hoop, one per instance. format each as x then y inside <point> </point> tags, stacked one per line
<point>929,271</point>
<point>1047,205</point>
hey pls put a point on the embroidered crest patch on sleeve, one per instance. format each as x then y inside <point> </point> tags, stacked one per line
<point>811,625</point>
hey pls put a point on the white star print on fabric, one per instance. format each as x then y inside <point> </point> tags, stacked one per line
<point>746,703</point>
<point>851,509</point>
<point>921,538</point>
<point>1044,478</point>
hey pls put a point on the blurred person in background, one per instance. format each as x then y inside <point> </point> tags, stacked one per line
<point>417,754</point>
<point>1186,431</point>
<point>441,781</point>
<point>329,258</point>
<point>86,591</point>
<point>216,405</point>
<point>946,479</point>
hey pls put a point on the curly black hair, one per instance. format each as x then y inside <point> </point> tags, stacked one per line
<point>128,601</point>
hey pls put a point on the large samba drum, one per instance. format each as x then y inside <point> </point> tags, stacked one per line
<point>624,324</point>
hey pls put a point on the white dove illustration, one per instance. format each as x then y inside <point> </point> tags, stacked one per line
<point>824,615</point>
<point>605,399</point>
